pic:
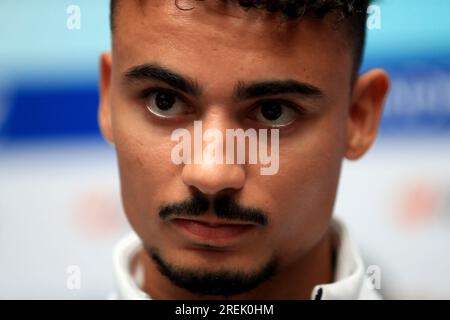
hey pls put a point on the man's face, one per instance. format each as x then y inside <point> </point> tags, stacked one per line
<point>220,48</point>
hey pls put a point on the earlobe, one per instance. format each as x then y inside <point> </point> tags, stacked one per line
<point>368,97</point>
<point>104,111</point>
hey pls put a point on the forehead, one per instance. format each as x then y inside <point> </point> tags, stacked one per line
<point>207,39</point>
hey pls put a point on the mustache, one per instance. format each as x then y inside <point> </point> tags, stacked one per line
<point>224,206</point>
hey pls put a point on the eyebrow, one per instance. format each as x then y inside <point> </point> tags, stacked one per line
<point>154,71</point>
<point>269,88</point>
<point>163,74</point>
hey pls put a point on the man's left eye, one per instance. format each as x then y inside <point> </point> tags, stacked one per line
<point>275,113</point>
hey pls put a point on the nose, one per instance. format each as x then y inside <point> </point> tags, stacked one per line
<point>209,175</point>
<point>211,178</point>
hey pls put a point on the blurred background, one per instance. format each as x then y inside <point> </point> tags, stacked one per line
<point>60,208</point>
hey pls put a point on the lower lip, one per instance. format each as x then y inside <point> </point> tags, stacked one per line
<point>218,233</point>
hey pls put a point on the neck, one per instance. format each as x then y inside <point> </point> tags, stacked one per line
<point>294,281</point>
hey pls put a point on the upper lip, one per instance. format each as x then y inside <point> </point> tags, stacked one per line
<point>217,222</point>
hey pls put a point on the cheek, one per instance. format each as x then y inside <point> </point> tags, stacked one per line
<point>303,192</point>
<point>146,170</point>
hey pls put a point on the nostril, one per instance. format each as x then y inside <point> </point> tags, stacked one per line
<point>213,179</point>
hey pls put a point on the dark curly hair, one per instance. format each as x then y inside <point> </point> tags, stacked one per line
<point>351,12</point>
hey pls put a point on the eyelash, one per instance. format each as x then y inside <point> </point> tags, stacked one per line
<point>287,103</point>
<point>147,92</point>
<point>295,107</point>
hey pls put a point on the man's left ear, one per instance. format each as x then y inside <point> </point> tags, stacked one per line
<point>367,101</point>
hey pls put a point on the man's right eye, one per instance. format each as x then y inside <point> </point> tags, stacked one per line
<point>165,104</point>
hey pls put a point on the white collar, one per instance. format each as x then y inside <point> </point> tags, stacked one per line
<point>350,280</point>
